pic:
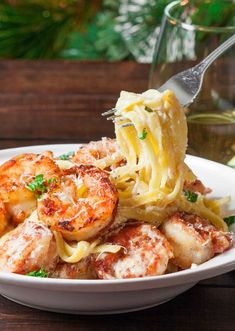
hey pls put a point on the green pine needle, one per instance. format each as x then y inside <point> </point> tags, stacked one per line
<point>92,30</point>
<point>38,28</point>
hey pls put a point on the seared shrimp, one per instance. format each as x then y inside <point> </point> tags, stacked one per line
<point>93,153</point>
<point>145,252</point>
<point>81,270</point>
<point>78,217</point>
<point>15,175</point>
<point>3,218</point>
<point>196,186</point>
<point>27,248</point>
<point>194,239</point>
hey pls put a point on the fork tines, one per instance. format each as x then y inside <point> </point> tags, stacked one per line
<point>126,125</point>
<point>109,112</point>
<point>111,118</point>
<point>116,119</point>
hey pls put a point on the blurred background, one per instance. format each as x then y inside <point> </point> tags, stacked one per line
<point>61,60</point>
<point>92,30</point>
<point>80,30</point>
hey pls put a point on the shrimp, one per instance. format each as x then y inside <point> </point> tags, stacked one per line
<point>81,270</point>
<point>15,175</point>
<point>103,153</point>
<point>3,218</point>
<point>80,218</point>
<point>145,252</point>
<point>194,239</point>
<point>196,186</point>
<point>29,247</point>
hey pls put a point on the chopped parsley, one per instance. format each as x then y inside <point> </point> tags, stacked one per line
<point>190,196</point>
<point>39,186</point>
<point>149,110</point>
<point>66,156</point>
<point>143,134</point>
<point>52,180</point>
<point>40,273</point>
<point>230,220</point>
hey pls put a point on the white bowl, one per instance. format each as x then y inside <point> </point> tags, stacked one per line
<point>116,296</point>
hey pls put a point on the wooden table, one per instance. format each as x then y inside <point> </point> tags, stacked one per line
<point>54,102</point>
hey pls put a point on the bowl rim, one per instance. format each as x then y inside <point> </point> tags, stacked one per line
<point>188,276</point>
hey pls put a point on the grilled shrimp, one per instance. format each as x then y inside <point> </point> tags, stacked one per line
<point>145,252</point>
<point>3,218</point>
<point>96,151</point>
<point>15,175</point>
<point>194,239</point>
<point>80,270</point>
<point>80,216</point>
<point>29,247</point>
<point>196,186</point>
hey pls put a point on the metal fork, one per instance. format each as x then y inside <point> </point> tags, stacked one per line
<point>187,84</point>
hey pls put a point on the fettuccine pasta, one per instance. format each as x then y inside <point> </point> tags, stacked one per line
<point>116,208</point>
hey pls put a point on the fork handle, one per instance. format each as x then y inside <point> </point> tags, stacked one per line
<point>202,66</point>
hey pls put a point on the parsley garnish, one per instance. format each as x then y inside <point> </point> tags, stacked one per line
<point>149,110</point>
<point>230,220</point>
<point>40,273</point>
<point>52,180</point>
<point>190,196</point>
<point>39,186</point>
<point>143,134</point>
<point>66,156</point>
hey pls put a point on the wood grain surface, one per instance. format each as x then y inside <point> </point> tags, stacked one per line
<point>60,102</point>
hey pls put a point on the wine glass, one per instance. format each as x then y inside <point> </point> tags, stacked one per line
<point>190,31</point>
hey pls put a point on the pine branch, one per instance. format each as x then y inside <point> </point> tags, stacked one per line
<point>138,23</point>
<point>80,29</point>
<point>38,29</point>
<point>100,40</point>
